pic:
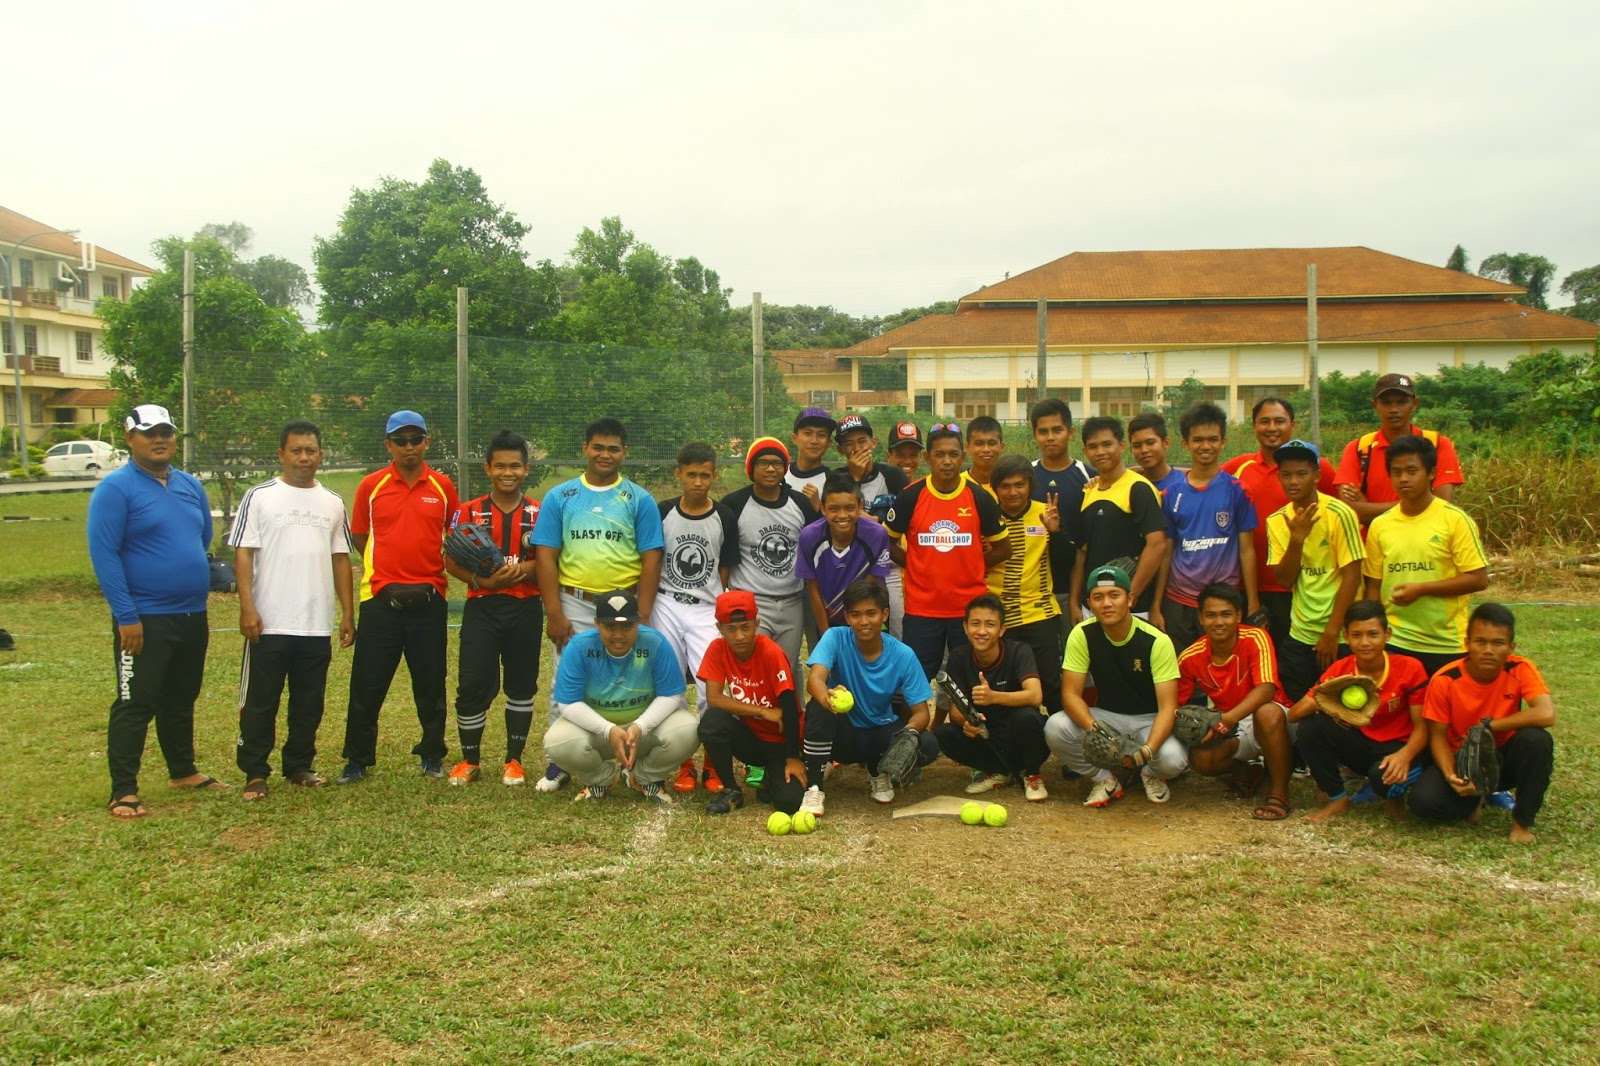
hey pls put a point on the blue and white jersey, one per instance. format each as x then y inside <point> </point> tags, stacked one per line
<point>600,532</point>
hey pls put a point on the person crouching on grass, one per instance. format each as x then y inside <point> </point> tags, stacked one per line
<point>1384,750</point>
<point>1002,680</point>
<point>875,669</point>
<point>1234,666</point>
<point>1495,683</point>
<point>752,712</point>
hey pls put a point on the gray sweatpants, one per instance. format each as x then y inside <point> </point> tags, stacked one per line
<point>1065,738</point>
<point>783,619</point>
<point>589,759</point>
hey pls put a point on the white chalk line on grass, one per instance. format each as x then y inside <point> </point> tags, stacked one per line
<point>643,845</point>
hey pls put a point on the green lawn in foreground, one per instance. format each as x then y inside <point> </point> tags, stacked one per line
<point>402,919</point>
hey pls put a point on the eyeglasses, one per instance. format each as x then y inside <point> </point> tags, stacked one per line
<point>941,427</point>
<point>410,440</point>
<point>769,463</point>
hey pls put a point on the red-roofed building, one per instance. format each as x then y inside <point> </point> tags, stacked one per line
<point>55,283</point>
<point>1121,326</point>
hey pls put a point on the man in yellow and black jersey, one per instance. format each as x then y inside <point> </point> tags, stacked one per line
<point>1120,516</point>
<point>1023,582</point>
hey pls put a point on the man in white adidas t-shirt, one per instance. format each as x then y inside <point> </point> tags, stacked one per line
<point>291,542</point>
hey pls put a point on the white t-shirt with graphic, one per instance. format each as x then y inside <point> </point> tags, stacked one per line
<point>294,532</point>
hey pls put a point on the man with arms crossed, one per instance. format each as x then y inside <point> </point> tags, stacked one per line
<point>397,525</point>
<point>621,694</point>
<point>596,533</point>
<point>1272,420</point>
<point>1363,478</point>
<point>1232,664</point>
<point>1491,682</point>
<point>149,528</point>
<point>291,554</point>
<point>503,618</point>
<point>1136,684</point>
<point>1388,749</point>
<point>1208,516</point>
<point>1424,559</point>
<point>1314,547</point>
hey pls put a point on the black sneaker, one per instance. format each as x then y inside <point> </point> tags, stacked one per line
<point>433,768</point>
<point>729,799</point>
<point>7,643</point>
<point>353,772</point>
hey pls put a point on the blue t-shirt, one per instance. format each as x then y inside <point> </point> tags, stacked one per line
<point>600,532</point>
<point>1204,526</point>
<point>867,556</point>
<point>1174,478</point>
<point>148,542</point>
<point>895,672</point>
<point>618,689</point>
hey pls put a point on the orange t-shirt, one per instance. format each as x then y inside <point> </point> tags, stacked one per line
<point>1461,702</point>
<point>404,525</point>
<point>1399,690</point>
<point>1252,663</point>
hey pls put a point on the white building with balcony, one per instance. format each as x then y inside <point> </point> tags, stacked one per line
<point>54,283</point>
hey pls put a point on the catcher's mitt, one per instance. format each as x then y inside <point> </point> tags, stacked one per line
<point>1478,760</point>
<point>1196,725</point>
<point>1112,749</point>
<point>1126,563</point>
<point>1329,696</point>
<point>474,550</point>
<point>1262,617</point>
<point>899,762</point>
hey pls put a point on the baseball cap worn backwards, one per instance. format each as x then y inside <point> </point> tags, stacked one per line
<point>1106,576</point>
<point>617,607</point>
<point>148,416</point>
<point>402,419</point>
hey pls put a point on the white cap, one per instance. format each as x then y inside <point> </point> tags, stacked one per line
<point>149,416</point>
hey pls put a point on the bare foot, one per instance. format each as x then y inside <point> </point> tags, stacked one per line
<point>199,781</point>
<point>1331,811</point>
<point>1394,808</point>
<point>1520,834</point>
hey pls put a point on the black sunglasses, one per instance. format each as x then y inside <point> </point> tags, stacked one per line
<point>410,440</point>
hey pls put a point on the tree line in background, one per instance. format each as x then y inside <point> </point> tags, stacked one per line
<point>630,329</point>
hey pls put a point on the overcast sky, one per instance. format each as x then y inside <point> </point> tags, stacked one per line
<point>865,155</point>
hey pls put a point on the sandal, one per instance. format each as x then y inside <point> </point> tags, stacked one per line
<point>306,779</point>
<point>205,784</point>
<point>255,789</point>
<point>134,806</point>
<point>1272,809</point>
<point>1247,783</point>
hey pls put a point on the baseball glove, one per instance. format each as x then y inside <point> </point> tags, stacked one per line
<point>899,762</point>
<point>1196,725</point>
<point>1262,618</point>
<point>1112,749</point>
<point>474,550</point>
<point>1478,760</point>
<point>1329,696</point>
<point>1126,563</point>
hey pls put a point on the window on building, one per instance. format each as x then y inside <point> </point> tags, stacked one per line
<point>824,398</point>
<point>1026,398</point>
<point>30,340</point>
<point>66,416</point>
<point>83,340</point>
<point>924,403</point>
<point>25,271</point>
<point>36,408</point>
<point>81,288</point>
<point>11,408</point>
<point>1122,401</point>
<point>970,403</point>
<point>110,288</point>
<point>5,338</point>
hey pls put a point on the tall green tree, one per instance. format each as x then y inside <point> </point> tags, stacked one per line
<point>787,326</point>
<point>1458,260</point>
<point>278,281</point>
<point>1584,288</point>
<point>1532,272</point>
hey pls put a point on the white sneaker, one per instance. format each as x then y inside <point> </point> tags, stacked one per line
<point>982,783</point>
<point>554,777</point>
<point>812,801</point>
<point>1155,788</point>
<point>1033,789</point>
<point>882,788</point>
<point>1103,792</point>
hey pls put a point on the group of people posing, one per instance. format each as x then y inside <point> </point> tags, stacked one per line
<point>991,609</point>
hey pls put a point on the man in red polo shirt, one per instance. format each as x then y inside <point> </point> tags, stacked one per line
<point>1363,477</point>
<point>1273,422</point>
<point>397,528</point>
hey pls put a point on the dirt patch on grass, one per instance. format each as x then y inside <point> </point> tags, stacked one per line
<point>248,837</point>
<point>336,1043</point>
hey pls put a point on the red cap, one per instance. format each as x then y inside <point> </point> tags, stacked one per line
<point>736,601</point>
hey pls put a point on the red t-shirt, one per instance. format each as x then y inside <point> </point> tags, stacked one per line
<point>1252,663</point>
<point>1378,488</point>
<point>1460,702</point>
<point>507,530</point>
<point>1259,476</point>
<point>1400,689</point>
<point>943,537</point>
<point>756,681</point>
<point>404,525</point>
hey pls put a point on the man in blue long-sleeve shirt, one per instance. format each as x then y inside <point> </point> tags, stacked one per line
<point>149,527</point>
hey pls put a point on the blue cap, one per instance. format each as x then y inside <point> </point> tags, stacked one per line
<point>1298,449</point>
<point>815,416</point>
<point>402,419</point>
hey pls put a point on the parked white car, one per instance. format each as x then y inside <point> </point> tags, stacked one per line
<point>83,458</point>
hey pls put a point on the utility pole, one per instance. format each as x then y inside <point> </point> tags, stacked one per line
<point>461,392</point>
<point>758,403</point>
<point>1040,372</point>
<point>1311,352</point>
<point>188,359</point>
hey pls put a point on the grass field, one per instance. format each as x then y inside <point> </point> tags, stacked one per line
<point>405,920</point>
